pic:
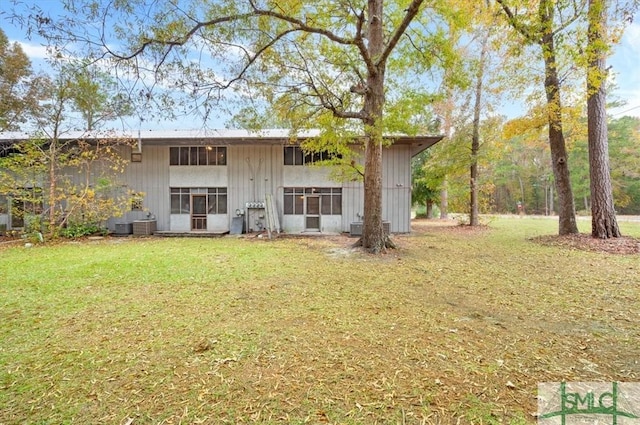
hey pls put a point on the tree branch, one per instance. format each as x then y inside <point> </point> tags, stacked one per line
<point>526,30</point>
<point>412,11</point>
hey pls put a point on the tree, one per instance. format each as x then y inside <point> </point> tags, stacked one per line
<point>421,190</point>
<point>624,145</point>
<point>603,215</point>
<point>475,138</point>
<point>94,94</point>
<point>92,193</point>
<point>544,26</point>
<point>20,90</point>
<point>318,62</point>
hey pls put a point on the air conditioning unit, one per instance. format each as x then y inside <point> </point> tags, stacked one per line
<point>144,227</point>
<point>123,229</point>
<point>356,228</point>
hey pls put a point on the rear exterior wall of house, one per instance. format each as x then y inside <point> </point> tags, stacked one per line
<point>198,187</point>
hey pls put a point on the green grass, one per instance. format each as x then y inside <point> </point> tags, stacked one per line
<point>307,330</point>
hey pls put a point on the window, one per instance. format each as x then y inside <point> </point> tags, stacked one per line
<point>198,155</point>
<point>180,200</point>
<point>331,200</point>
<point>293,200</point>
<point>216,199</point>
<point>136,201</point>
<point>294,155</point>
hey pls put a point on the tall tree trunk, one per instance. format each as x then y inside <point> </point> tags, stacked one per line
<point>429,207</point>
<point>566,207</point>
<point>52,190</point>
<point>475,139</point>
<point>603,216</point>
<point>373,236</point>
<point>542,33</point>
<point>444,201</point>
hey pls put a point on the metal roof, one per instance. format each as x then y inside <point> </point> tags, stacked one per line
<point>219,136</point>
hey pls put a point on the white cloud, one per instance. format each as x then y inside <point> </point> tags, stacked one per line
<point>34,51</point>
<point>631,37</point>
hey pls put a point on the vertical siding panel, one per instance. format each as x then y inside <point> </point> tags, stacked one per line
<point>154,182</point>
<point>276,179</point>
<point>404,178</point>
<point>235,161</point>
<point>387,193</point>
<point>396,191</point>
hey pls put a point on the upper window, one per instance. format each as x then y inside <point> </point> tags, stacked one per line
<point>198,155</point>
<point>294,155</point>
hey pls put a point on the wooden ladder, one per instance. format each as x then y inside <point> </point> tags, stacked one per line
<point>273,223</point>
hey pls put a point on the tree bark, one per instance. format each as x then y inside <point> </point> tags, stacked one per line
<point>444,201</point>
<point>373,236</point>
<point>542,33</point>
<point>429,207</point>
<point>603,216</point>
<point>566,207</point>
<point>475,139</point>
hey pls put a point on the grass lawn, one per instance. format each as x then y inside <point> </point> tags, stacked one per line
<point>457,325</point>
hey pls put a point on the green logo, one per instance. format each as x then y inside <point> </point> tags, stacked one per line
<point>588,402</point>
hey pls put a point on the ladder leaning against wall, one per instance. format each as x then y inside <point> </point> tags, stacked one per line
<point>273,223</point>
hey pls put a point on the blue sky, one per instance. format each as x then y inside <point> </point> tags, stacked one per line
<point>625,64</point>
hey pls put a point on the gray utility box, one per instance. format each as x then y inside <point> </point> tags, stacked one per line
<point>237,226</point>
<point>356,228</point>
<point>124,229</point>
<point>144,227</point>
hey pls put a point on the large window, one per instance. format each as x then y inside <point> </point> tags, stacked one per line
<point>180,200</point>
<point>330,199</point>
<point>293,200</point>
<point>294,155</point>
<point>216,199</point>
<point>198,155</point>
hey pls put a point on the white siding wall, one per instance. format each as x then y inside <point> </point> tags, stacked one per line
<point>151,176</point>
<point>311,176</point>
<point>396,188</point>
<point>198,176</point>
<point>252,171</point>
<point>307,176</point>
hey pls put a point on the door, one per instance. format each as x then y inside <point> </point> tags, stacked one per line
<point>312,215</point>
<point>198,212</point>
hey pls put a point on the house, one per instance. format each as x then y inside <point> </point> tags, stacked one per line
<point>199,181</point>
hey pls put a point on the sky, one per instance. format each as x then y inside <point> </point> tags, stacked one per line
<point>624,63</point>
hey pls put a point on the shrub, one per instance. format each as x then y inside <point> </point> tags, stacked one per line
<point>78,230</point>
